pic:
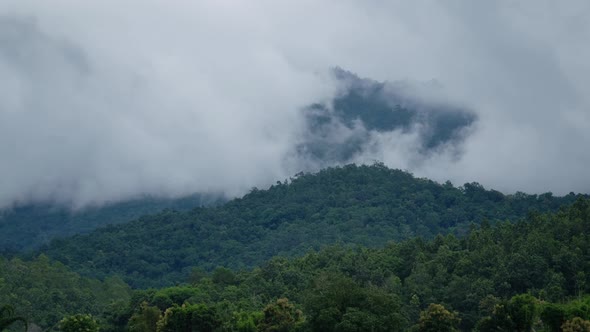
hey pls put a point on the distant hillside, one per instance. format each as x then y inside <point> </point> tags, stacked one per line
<point>30,226</point>
<point>335,133</point>
<point>45,291</point>
<point>364,205</point>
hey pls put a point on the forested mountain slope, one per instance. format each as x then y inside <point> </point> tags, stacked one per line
<point>334,132</point>
<point>531,275</point>
<point>502,278</point>
<point>45,291</point>
<point>30,226</point>
<point>361,205</point>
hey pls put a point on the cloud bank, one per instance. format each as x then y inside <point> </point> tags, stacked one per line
<point>106,100</point>
<point>366,117</point>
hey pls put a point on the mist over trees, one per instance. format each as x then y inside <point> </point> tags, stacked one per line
<point>350,126</point>
<point>294,166</point>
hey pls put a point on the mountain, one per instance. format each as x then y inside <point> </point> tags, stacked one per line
<point>528,275</point>
<point>363,109</point>
<point>45,291</point>
<point>335,133</point>
<point>26,227</point>
<point>354,205</point>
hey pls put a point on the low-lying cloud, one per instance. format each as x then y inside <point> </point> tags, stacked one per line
<point>367,117</point>
<point>102,101</point>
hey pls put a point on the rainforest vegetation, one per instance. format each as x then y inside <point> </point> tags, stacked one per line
<point>28,226</point>
<point>351,205</point>
<point>354,248</point>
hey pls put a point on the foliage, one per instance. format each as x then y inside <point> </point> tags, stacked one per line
<point>437,319</point>
<point>46,291</point>
<point>7,318</point>
<point>145,320</point>
<point>189,318</point>
<point>554,315</point>
<point>361,205</point>
<point>342,288</point>
<point>25,227</point>
<point>517,314</point>
<point>577,324</point>
<point>520,275</point>
<point>79,323</point>
<point>281,316</point>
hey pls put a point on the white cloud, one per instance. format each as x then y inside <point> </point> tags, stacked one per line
<point>103,100</point>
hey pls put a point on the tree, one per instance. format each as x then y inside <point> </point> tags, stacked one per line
<point>438,319</point>
<point>576,324</point>
<point>499,320</point>
<point>553,316</point>
<point>223,276</point>
<point>79,323</point>
<point>522,311</point>
<point>247,321</point>
<point>7,318</point>
<point>518,314</point>
<point>281,316</point>
<point>146,319</point>
<point>357,320</point>
<point>189,318</point>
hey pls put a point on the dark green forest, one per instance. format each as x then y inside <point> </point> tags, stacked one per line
<point>353,248</point>
<point>350,205</point>
<point>25,227</point>
<point>294,166</point>
<point>532,274</point>
<point>509,277</point>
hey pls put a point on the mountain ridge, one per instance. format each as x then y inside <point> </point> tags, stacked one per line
<point>352,205</point>
<point>28,226</point>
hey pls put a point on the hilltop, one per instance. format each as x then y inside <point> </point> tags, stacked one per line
<point>351,205</point>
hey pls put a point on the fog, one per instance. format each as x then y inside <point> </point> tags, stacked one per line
<point>107,100</point>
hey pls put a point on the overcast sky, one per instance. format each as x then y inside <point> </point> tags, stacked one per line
<point>105,100</point>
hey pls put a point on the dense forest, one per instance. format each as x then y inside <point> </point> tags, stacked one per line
<point>45,291</point>
<point>294,166</point>
<point>522,276</point>
<point>25,227</point>
<point>350,205</point>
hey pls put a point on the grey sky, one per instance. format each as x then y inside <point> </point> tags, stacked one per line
<point>103,100</point>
